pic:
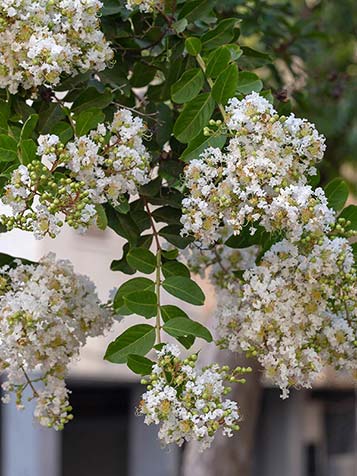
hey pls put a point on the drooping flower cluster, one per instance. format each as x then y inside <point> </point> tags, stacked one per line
<point>145,6</point>
<point>47,314</point>
<point>102,166</point>
<point>265,154</point>
<point>188,403</point>
<point>296,311</point>
<point>43,39</point>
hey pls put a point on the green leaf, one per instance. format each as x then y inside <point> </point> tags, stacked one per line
<point>102,220</point>
<point>8,148</point>
<point>122,224</point>
<point>196,10</point>
<point>123,206</point>
<point>167,215</point>
<point>174,268</point>
<point>172,234</point>
<point>235,51</point>
<point>132,286</point>
<point>222,34</point>
<point>29,127</point>
<point>27,149</point>
<point>138,340</point>
<point>170,312</point>
<point>170,254</point>
<point>142,260</point>
<point>140,365</point>
<point>49,116</point>
<point>88,120</point>
<point>141,219</point>
<point>194,117</point>
<point>185,289</point>
<point>90,98</point>
<point>218,61</point>
<point>225,85</point>
<point>180,326</point>
<point>193,46</point>
<point>4,114</point>
<point>111,7</point>
<point>248,82</point>
<point>64,131</point>
<point>350,214</point>
<point>188,86</point>
<point>143,74</point>
<point>143,303</point>
<point>199,144</point>
<point>244,239</point>
<point>337,193</point>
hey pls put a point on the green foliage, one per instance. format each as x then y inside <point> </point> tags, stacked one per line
<point>337,193</point>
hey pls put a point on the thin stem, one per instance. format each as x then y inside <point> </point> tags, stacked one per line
<point>68,114</point>
<point>202,65</point>
<point>29,382</point>
<point>158,274</point>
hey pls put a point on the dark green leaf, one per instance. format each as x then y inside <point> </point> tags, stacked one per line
<point>88,120</point>
<point>199,144</point>
<point>337,193</point>
<point>180,326</point>
<point>170,312</point>
<point>90,98</point>
<point>137,340</point>
<point>168,215</point>
<point>142,260</point>
<point>174,268</point>
<point>172,234</point>
<point>222,34</point>
<point>196,10</point>
<point>132,286</point>
<point>139,364</point>
<point>350,214</point>
<point>8,148</point>
<point>29,127</point>
<point>143,303</point>
<point>185,289</point>
<point>193,46</point>
<point>123,225</point>
<point>102,220</point>
<point>225,85</point>
<point>248,82</point>
<point>143,74</point>
<point>64,131</point>
<point>188,86</point>
<point>218,61</point>
<point>194,117</point>
<point>27,149</point>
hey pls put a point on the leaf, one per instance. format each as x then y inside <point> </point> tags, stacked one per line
<point>244,239</point>
<point>180,326</point>
<point>167,215</point>
<point>337,193</point>
<point>141,220</point>
<point>4,114</point>
<point>222,34</point>
<point>111,7</point>
<point>64,131</point>
<point>90,98</point>
<point>142,260</point>
<point>88,120</point>
<point>170,312</point>
<point>122,224</point>
<point>218,61</point>
<point>194,117</point>
<point>199,144</point>
<point>172,234</point>
<point>184,289</point>
<point>49,116</point>
<point>226,84</point>
<point>193,46</point>
<point>174,268</point>
<point>132,286</point>
<point>27,149</point>
<point>102,220</point>
<point>143,74</point>
<point>143,303</point>
<point>8,148</point>
<point>350,215</point>
<point>196,10</point>
<point>188,86</point>
<point>140,365</point>
<point>248,82</point>
<point>138,340</point>
<point>29,127</point>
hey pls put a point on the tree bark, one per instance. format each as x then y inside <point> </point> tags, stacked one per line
<point>230,456</point>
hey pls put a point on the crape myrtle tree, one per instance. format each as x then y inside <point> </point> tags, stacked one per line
<point>148,117</point>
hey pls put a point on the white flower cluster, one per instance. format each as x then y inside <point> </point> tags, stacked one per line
<point>47,313</point>
<point>189,404</point>
<point>43,39</point>
<point>265,154</point>
<point>145,6</point>
<point>102,166</point>
<point>297,311</point>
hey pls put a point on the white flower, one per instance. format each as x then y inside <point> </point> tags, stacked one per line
<point>47,313</point>
<point>40,41</point>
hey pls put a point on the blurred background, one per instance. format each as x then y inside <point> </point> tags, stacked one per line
<point>314,74</point>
